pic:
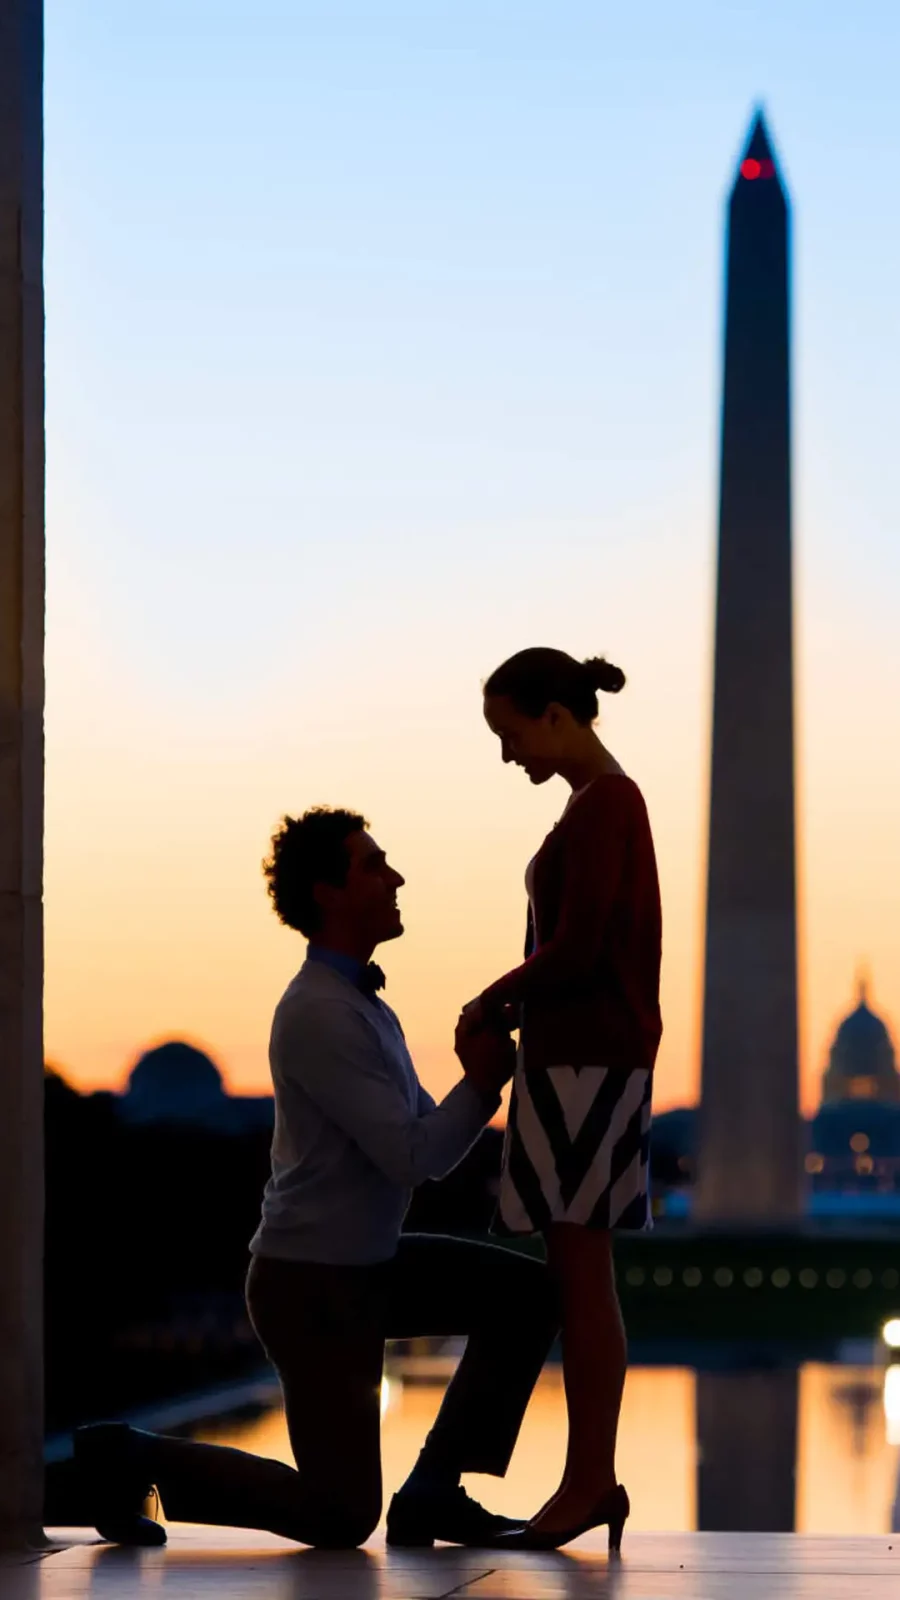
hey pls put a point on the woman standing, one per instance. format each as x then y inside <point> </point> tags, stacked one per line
<point>587,1001</point>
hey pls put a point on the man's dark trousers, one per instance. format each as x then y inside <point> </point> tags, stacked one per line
<point>324,1329</point>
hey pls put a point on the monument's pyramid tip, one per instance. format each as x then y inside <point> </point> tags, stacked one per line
<point>758,158</point>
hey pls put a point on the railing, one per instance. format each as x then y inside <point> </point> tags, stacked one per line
<point>757,1285</point>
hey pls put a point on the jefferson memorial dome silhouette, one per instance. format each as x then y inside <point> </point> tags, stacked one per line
<point>177,1083</point>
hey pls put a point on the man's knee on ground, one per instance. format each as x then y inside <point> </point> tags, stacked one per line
<point>342,1525</point>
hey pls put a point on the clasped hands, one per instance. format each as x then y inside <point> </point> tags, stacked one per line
<point>484,1046</point>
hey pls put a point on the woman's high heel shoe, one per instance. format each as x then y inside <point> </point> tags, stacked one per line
<point>611,1511</point>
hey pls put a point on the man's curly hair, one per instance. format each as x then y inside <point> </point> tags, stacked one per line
<point>305,851</point>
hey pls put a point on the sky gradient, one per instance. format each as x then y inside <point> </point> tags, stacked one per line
<point>383,340</point>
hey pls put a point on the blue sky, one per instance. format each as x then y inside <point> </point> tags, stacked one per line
<point>384,339</point>
<point>328,270</point>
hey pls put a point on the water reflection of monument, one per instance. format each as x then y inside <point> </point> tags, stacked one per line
<point>746,1450</point>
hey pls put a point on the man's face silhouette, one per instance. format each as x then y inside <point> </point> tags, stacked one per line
<point>365,908</point>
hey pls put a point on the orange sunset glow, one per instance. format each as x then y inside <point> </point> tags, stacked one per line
<point>158,925</point>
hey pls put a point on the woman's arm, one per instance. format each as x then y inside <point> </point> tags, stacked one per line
<point>598,832</point>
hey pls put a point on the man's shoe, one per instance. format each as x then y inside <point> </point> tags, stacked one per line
<point>112,1459</point>
<point>416,1518</point>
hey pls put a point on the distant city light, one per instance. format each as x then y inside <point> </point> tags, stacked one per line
<point>890,1333</point>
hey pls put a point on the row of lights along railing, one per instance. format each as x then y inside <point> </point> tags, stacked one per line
<point>754,1277</point>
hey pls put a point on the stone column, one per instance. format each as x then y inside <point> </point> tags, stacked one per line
<point>21,769</point>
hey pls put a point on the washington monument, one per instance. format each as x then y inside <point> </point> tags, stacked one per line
<point>749,1154</point>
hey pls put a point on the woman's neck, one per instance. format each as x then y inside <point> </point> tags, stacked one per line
<point>591,760</point>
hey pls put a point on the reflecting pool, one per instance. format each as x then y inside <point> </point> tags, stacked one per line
<point>815,1448</point>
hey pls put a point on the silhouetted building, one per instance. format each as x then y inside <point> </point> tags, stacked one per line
<point>851,1147</point>
<point>176,1083</point>
<point>854,1145</point>
<point>749,1166</point>
<point>862,1064</point>
<point>854,1148</point>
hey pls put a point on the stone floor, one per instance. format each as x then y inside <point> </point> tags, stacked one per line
<point>226,1564</point>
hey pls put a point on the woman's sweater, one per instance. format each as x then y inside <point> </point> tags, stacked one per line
<point>589,989</point>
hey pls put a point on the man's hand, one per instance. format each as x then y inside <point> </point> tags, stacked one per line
<point>473,1018</point>
<point>488,1058</point>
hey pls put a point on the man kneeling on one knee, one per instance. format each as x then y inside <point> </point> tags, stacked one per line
<point>332,1276</point>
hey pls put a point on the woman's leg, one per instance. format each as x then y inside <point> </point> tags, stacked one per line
<point>594,1360</point>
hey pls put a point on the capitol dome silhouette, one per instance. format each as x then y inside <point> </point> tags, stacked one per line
<point>862,1063</point>
<point>174,1083</point>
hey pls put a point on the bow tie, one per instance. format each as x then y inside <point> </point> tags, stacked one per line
<point>371,979</point>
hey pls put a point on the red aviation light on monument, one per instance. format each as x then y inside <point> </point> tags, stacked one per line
<point>757,169</point>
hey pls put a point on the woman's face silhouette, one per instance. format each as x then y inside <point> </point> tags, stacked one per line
<point>536,744</point>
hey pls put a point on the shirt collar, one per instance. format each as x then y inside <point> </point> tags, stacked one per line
<point>347,966</point>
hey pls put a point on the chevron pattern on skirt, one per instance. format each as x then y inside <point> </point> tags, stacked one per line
<point>576,1150</point>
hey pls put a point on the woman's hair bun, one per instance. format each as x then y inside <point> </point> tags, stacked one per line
<point>534,679</point>
<point>603,675</point>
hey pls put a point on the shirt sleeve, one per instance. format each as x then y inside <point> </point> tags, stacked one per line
<point>597,842</point>
<point>337,1058</point>
<point>425,1103</point>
